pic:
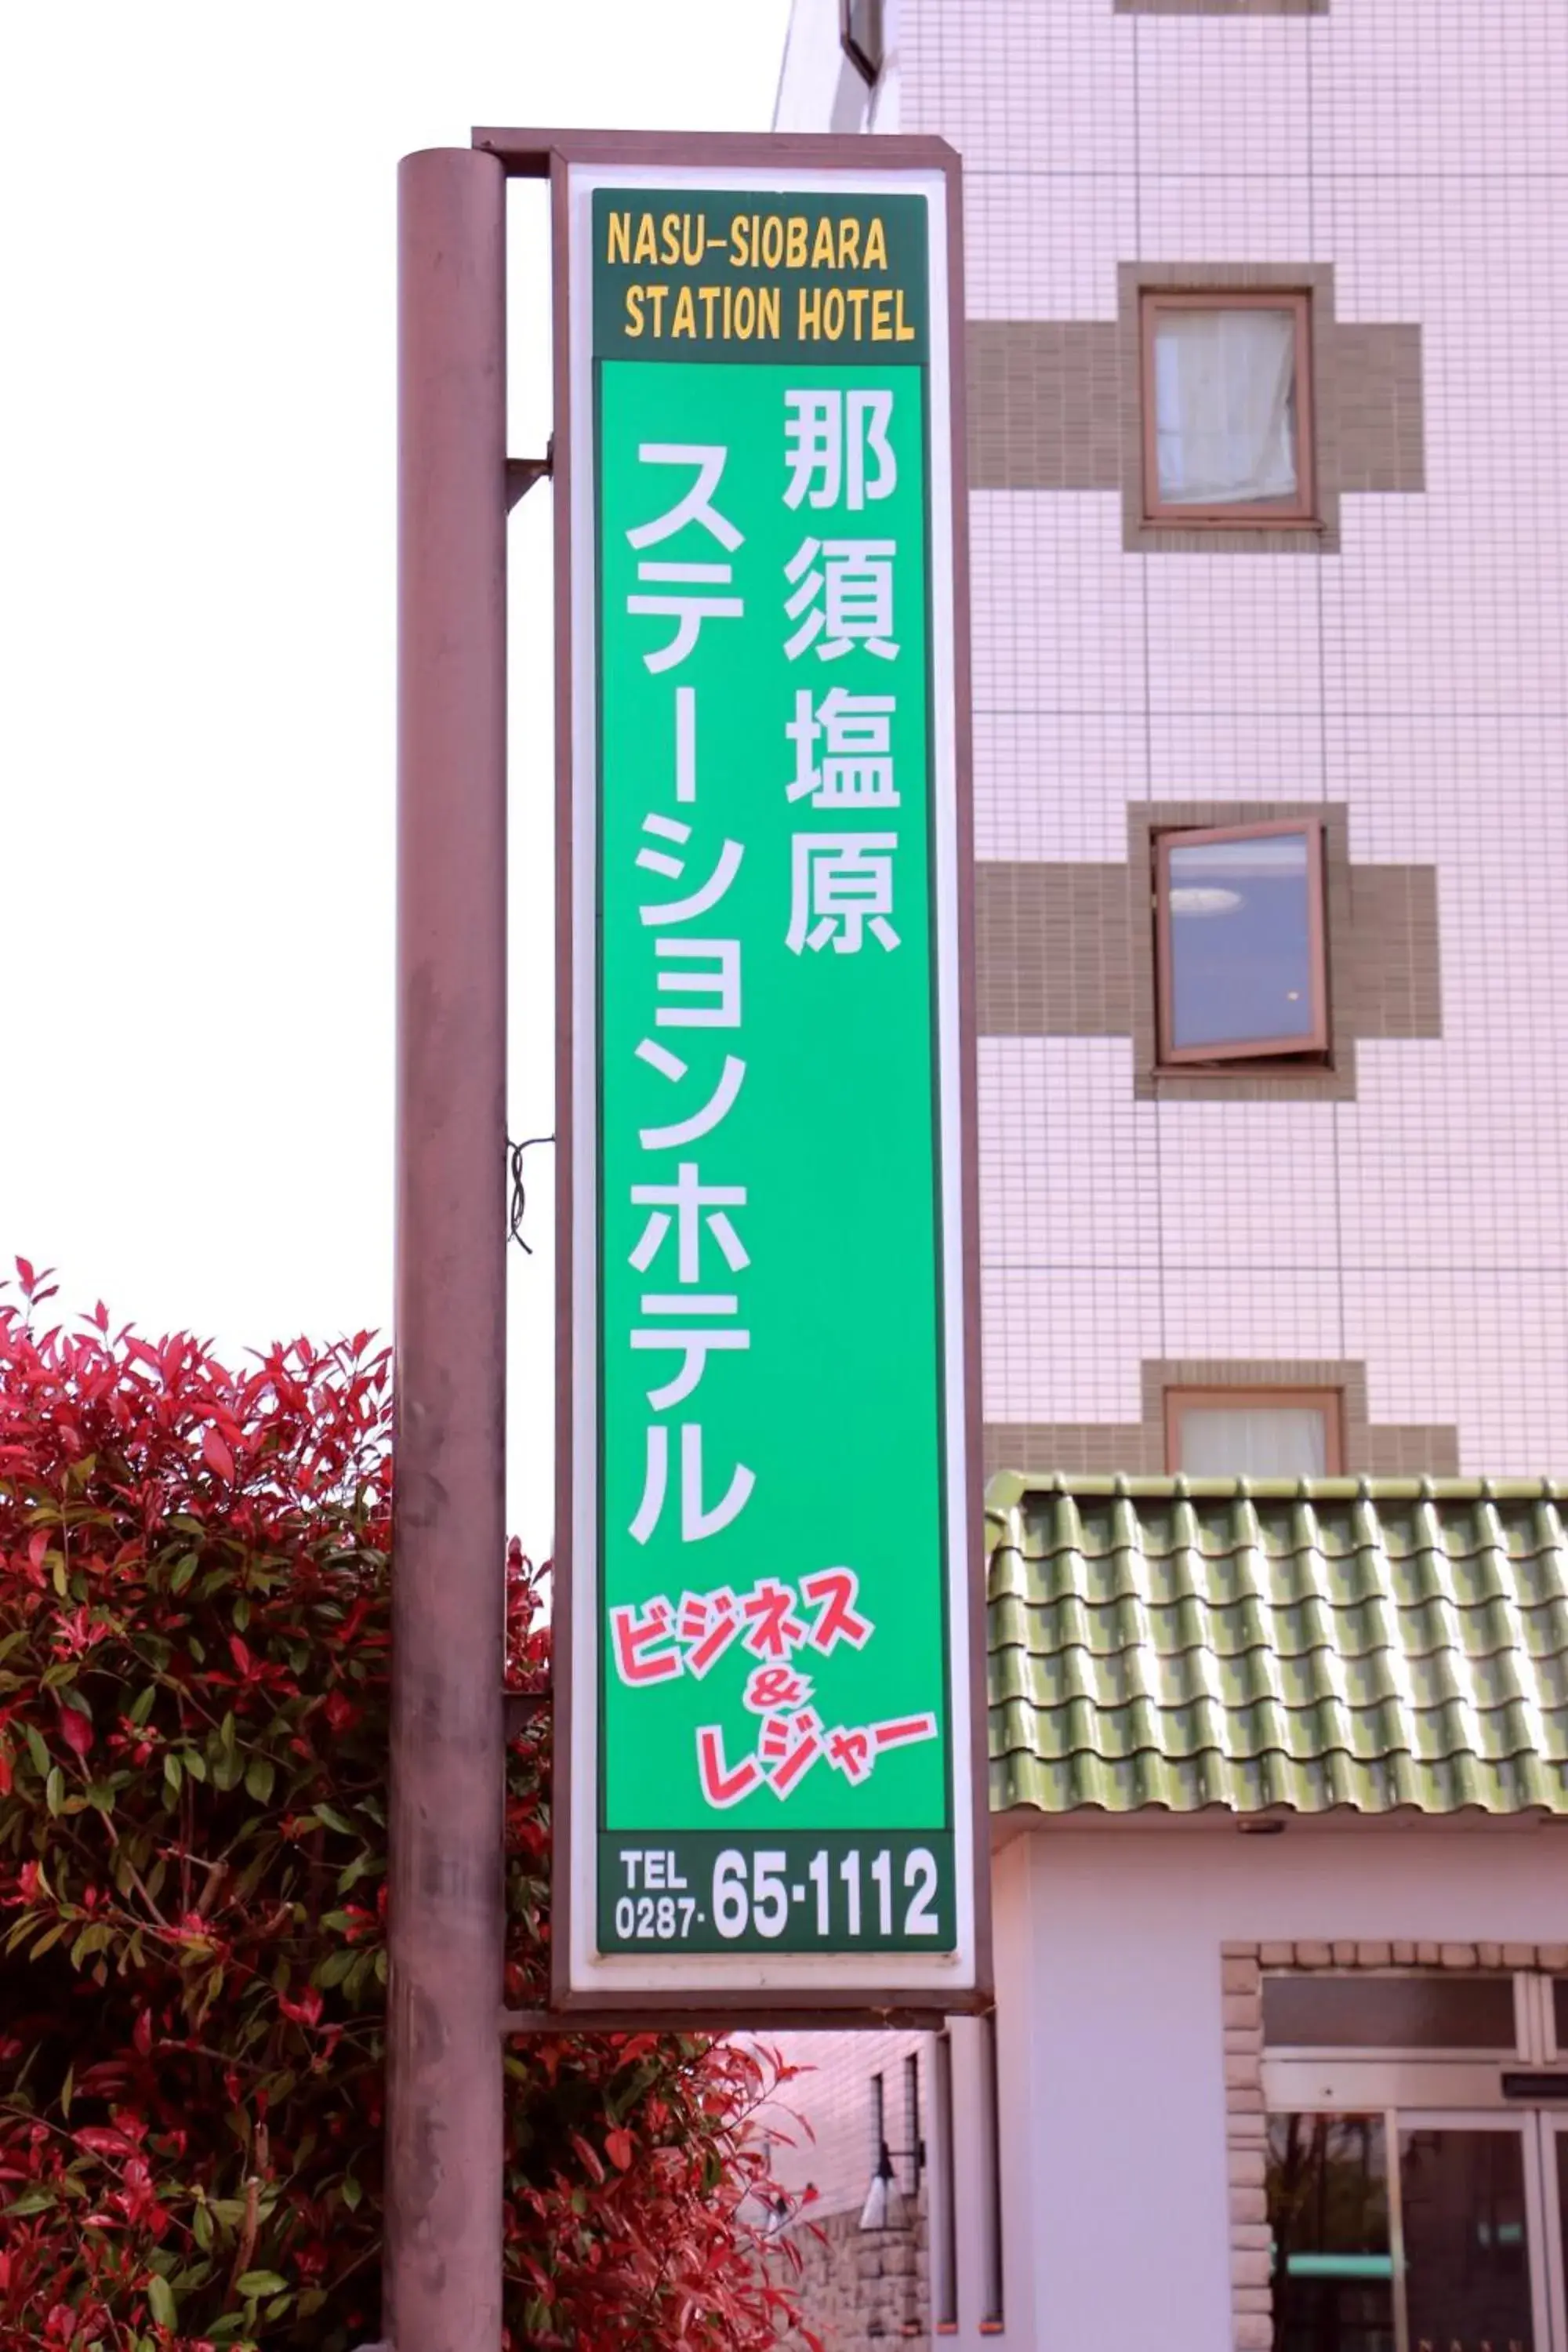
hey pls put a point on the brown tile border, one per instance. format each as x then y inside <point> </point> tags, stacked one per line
<point>1219,8</point>
<point>1371,1450</point>
<point>1058,404</point>
<point>1242,1971</point>
<point>1067,950</point>
<point>1044,398</point>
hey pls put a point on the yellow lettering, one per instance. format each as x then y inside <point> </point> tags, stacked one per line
<point>647,247</point>
<point>693,238</point>
<point>740,246</point>
<point>808,315</point>
<point>794,241</point>
<point>729,312</point>
<point>822,245</point>
<point>669,233</point>
<point>656,295</point>
<point>685,319</point>
<point>881,322</point>
<point>745,313</point>
<point>833,313</point>
<point>634,309</point>
<point>903,332</point>
<point>768,311</point>
<point>876,254</point>
<point>858,298</point>
<point>772,241</point>
<point>620,247</point>
<point>849,243</point>
<point>707,295</point>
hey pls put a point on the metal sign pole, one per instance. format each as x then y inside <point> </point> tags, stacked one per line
<point>443,2143</point>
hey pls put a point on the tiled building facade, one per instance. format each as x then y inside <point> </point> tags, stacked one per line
<point>1378,1228</point>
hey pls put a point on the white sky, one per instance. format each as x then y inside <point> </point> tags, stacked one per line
<point>196,610</point>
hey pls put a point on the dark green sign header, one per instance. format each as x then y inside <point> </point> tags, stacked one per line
<point>753,275</point>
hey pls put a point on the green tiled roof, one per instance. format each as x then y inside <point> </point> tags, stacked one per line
<point>1189,1643</point>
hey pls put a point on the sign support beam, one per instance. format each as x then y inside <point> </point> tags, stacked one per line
<point>444,2141</point>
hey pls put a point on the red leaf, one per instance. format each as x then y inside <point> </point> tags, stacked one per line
<point>75,1730</point>
<point>618,2148</point>
<point>216,1455</point>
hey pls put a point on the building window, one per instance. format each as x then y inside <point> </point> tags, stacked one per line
<point>860,33</point>
<point>1241,961</point>
<point>1228,423</point>
<point>1236,1432</point>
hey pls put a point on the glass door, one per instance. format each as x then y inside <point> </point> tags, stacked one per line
<point>1474,2254</point>
<point>1555,2168</point>
<point>1418,2231</point>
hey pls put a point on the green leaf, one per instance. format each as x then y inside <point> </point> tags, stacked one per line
<point>142,1705</point>
<point>38,1751</point>
<point>196,1763</point>
<point>260,1775</point>
<point>31,2200</point>
<point>351,2192</point>
<point>160,2301</point>
<point>172,1774</point>
<point>260,2283</point>
<point>331,1820</point>
<point>184,1571</point>
<point>55,1789</point>
<point>202,2227</point>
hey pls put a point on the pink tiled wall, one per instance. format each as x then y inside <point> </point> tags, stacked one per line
<point>1421,676</point>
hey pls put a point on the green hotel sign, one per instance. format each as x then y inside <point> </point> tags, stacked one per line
<point>772,1626</point>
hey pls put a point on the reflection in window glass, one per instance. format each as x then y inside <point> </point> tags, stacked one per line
<point>1242,1441</point>
<point>1467,2255</point>
<point>1371,2013</point>
<point>1559,2011</point>
<point>1243,962</point>
<point>1224,406</point>
<point>1331,2252</point>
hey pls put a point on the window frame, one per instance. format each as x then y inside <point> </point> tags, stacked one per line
<point>1262,514</point>
<point>1291,1050</point>
<point>1329,1401</point>
<point>870,68</point>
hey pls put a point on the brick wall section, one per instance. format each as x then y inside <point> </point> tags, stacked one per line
<point>1044,399</point>
<point>861,2290</point>
<point>1242,1968</point>
<point>1220,7</point>
<point>1067,950</point>
<point>1372,1449</point>
<point>1058,404</point>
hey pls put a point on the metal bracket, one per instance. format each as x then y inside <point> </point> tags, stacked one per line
<point>522,473</point>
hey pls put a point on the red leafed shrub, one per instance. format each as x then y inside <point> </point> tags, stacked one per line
<point>194,1636</point>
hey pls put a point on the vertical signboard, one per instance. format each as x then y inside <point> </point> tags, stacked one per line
<point>772,1615</point>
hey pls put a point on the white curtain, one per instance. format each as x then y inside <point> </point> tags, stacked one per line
<point>1274,1441</point>
<point>1223,405</point>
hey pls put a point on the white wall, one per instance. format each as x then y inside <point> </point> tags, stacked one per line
<point>1111,2066</point>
